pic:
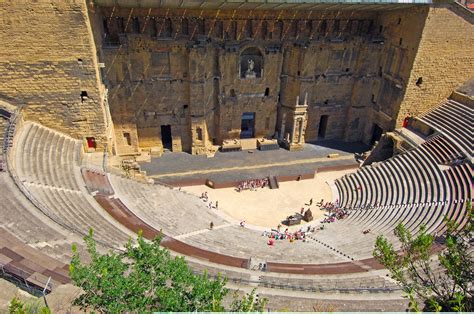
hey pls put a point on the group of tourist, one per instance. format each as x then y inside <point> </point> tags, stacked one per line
<point>252,185</point>
<point>335,212</point>
<point>205,198</point>
<point>277,234</point>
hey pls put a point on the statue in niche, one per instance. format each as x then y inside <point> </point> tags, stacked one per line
<point>251,63</point>
<point>250,69</point>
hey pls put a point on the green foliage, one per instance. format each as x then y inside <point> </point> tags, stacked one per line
<point>17,306</point>
<point>249,303</point>
<point>144,278</point>
<point>447,288</point>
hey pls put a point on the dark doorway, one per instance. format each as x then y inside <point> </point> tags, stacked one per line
<point>323,124</point>
<point>166,139</point>
<point>247,129</point>
<point>376,134</point>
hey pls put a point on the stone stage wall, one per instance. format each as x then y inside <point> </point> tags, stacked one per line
<point>349,74</point>
<point>188,69</point>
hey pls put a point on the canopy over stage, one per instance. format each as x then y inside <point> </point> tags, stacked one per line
<point>268,4</point>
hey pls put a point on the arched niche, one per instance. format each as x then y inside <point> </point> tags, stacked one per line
<point>251,63</point>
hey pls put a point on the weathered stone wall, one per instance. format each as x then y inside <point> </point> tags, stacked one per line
<point>443,60</point>
<point>47,59</point>
<point>187,69</point>
<point>381,91</point>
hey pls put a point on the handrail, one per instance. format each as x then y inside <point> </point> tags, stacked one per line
<point>24,276</point>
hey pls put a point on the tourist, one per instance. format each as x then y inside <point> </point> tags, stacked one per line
<point>252,184</point>
<point>211,225</point>
<point>217,205</point>
<point>302,210</point>
<point>210,205</point>
<point>242,223</point>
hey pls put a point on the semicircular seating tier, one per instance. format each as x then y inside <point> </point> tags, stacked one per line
<point>32,250</point>
<point>418,187</point>
<point>454,120</point>
<point>421,186</point>
<point>45,167</point>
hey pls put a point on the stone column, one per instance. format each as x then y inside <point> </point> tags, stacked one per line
<point>293,135</point>
<point>282,128</point>
<point>300,135</point>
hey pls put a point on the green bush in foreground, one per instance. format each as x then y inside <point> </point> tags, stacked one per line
<point>447,288</point>
<point>147,278</point>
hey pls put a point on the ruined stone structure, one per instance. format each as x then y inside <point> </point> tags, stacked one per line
<point>185,76</point>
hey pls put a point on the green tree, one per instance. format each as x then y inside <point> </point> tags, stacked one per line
<point>144,278</point>
<point>445,287</point>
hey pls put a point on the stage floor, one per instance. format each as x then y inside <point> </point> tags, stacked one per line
<point>266,208</point>
<point>237,166</point>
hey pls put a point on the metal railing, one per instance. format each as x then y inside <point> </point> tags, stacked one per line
<point>20,278</point>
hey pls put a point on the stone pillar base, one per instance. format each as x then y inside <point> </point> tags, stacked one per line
<point>292,147</point>
<point>199,150</point>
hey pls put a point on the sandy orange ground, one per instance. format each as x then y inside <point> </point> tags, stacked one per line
<point>267,208</point>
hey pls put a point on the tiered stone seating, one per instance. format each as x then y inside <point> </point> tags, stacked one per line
<point>22,219</point>
<point>177,213</point>
<point>172,211</point>
<point>47,157</point>
<point>242,242</point>
<point>408,188</point>
<point>97,181</point>
<point>453,119</point>
<point>422,186</point>
<point>32,250</point>
<point>28,265</point>
<point>331,284</point>
<point>355,283</point>
<point>47,168</point>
